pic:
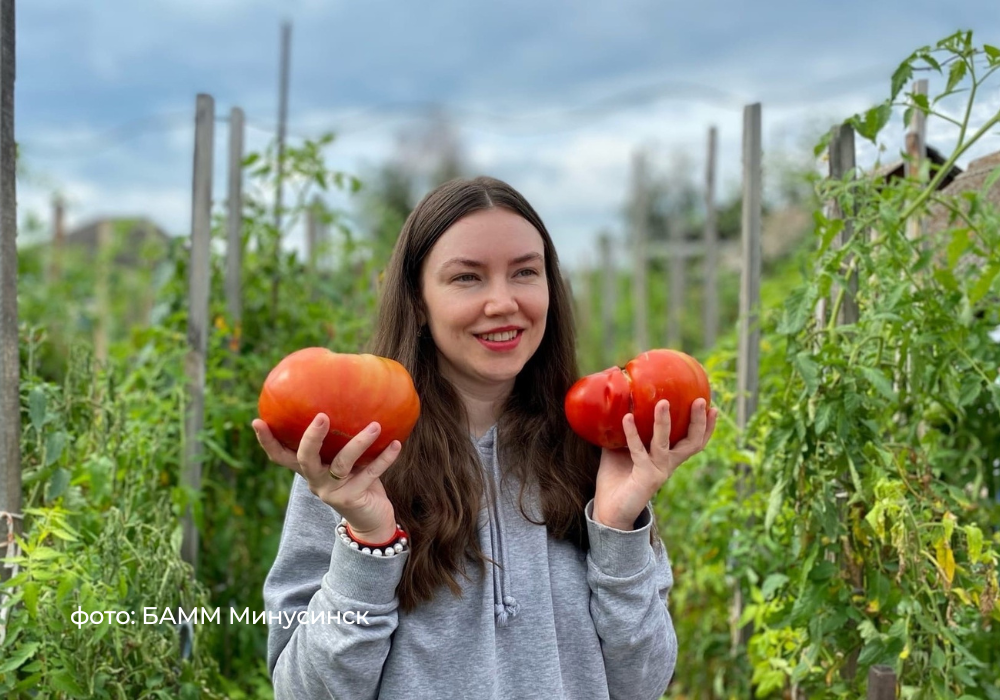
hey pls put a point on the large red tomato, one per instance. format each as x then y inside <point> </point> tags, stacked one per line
<point>352,390</point>
<point>596,404</point>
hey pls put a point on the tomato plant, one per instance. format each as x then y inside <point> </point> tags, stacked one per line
<point>352,390</point>
<point>597,403</point>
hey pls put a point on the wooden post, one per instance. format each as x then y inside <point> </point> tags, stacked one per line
<point>101,291</point>
<point>198,290</point>
<point>609,300</point>
<point>748,358</point>
<point>711,260</point>
<point>841,163</point>
<point>749,330</point>
<point>640,233</point>
<point>286,41</point>
<point>58,237</point>
<point>675,302</point>
<point>234,228</point>
<point>916,148</point>
<point>881,683</point>
<point>10,370</point>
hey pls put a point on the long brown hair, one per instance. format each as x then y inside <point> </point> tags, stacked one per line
<point>436,485</point>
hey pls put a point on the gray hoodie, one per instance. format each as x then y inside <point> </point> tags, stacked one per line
<point>547,621</point>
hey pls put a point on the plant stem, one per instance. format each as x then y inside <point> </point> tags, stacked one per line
<point>948,165</point>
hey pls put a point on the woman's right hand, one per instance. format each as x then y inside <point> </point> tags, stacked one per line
<point>357,494</point>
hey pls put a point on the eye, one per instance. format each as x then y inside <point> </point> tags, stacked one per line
<point>467,277</point>
<point>531,272</point>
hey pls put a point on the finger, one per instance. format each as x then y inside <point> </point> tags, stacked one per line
<point>276,452</point>
<point>695,438</point>
<point>713,415</point>
<point>659,448</point>
<point>634,442</point>
<point>311,443</point>
<point>343,463</point>
<point>378,466</point>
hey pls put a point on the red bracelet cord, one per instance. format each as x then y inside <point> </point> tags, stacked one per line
<point>395,536</point>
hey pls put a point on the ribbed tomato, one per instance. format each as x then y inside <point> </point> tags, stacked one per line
<point>352,390</point>
<point>597,403</point>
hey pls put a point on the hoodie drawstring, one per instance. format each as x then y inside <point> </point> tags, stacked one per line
<point>505,605</point>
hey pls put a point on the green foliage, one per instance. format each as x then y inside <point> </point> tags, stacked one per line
<point>864,528</point>
<point>101,534</point>
<point>103,451</point>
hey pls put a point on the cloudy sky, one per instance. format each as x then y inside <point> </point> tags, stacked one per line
<point>553,96</point>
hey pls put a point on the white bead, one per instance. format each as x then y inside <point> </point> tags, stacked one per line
<point>403,541</point>
<point>398,547</point>
<point>341,530</point>
<point>367,550</point>
<point>377,552</point>
<point>354,545</point>
<point>389,552</point>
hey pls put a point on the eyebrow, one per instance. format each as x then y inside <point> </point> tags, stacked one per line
<point>467,262</point>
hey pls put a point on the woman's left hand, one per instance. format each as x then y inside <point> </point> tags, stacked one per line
<point>628,478</point>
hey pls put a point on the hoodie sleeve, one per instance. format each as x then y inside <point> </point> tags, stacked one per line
<point>629,582</point>
<point>315,649</point>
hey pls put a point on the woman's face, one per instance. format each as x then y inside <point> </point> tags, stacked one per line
<point>487,297</point>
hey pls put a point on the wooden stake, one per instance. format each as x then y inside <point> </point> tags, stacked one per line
<point>234,228</point>
<point>198,292</point>
<point>10,369</point>
<point>640,234</point>
<point>609,299</point>
<point>711,305</point>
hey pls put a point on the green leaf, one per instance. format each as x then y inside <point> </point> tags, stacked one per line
<point>955,75</point>
<point>63,681</point>
<point>880,382</point>
<point>774,504</point>
<point>988,183</point>
<point>57,484</point>
<point>871,123</point>
<point>960,241</point>
<point>31,590</point>
<point>17,658</point>
<point>901,77</point>
<point>974,536</point>
<point>993,54</point>
<point>36,409</point>
<point>54,444</point>
<point>771,584</point>
<point>969,389</point>
<point>798,308</point>
<point>983,284</point>
<point>824,417</point>
<point>809,370</point>
<point>823,571</point>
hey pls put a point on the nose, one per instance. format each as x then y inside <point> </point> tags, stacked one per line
<point>501,301</point>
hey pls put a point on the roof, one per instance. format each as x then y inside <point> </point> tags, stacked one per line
<point>135,239</point>
<point>939,217</point>
<point>897,168</point>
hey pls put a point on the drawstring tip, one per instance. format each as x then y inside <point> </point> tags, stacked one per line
<point>504,612</point>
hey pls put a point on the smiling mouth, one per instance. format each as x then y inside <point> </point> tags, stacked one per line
<point>501,337</point>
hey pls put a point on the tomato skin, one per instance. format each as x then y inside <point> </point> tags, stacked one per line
<point>596,404</point>
<point>352,390</point>
<point>670,375</point>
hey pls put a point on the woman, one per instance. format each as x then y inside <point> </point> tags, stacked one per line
<point>527,564</point>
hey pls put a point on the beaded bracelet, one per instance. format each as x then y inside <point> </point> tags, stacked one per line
<point>397,545</point>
